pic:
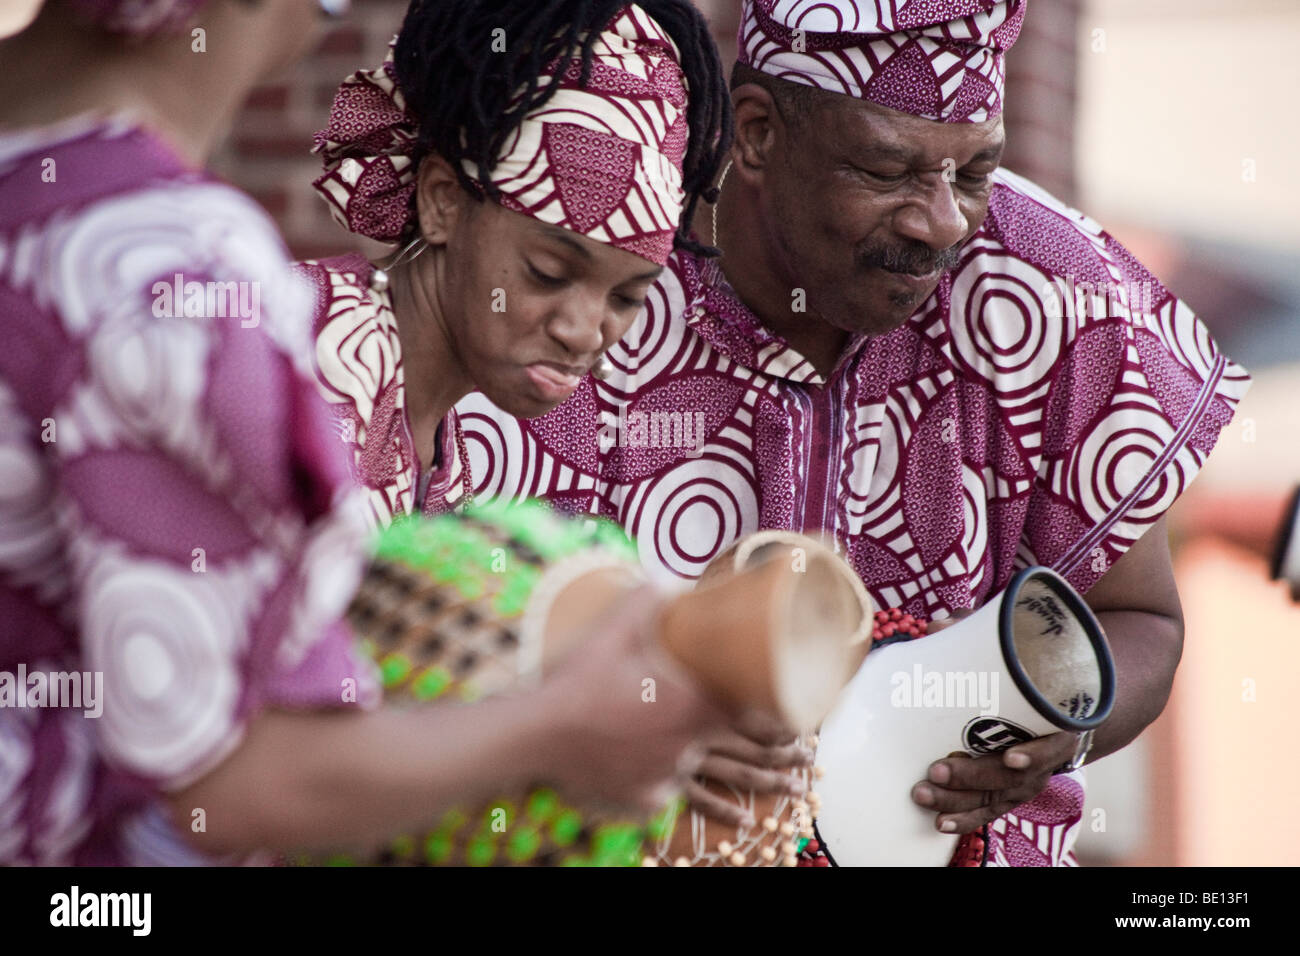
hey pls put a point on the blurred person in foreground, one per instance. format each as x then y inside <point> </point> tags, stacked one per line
<point>916,351</point>
<point>171,513</point>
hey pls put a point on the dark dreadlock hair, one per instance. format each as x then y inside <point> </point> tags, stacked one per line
<point>463,93</point>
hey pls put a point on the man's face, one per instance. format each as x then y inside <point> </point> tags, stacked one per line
<point>867,207</point>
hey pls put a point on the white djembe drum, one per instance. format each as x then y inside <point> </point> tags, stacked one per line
<point>1033,661</point>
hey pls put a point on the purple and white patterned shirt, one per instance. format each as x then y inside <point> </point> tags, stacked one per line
<point>359,370</point>
<point>1046,405</point>
<point>170,510</point>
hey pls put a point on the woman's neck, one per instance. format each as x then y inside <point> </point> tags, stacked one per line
<point>434,376</point>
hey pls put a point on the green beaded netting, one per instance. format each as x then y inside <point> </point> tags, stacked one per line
<point>439,607</point>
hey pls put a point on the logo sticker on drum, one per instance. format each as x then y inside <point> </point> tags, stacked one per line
<point>989,735</point>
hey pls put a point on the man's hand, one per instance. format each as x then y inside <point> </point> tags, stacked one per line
<point>1136,603</point>
<point>968,792</point>
<point>755,755</point>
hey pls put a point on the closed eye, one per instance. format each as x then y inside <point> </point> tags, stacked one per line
<point>545,278</point>
<point>885,179</point>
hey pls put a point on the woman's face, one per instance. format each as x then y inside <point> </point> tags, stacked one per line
<point>531,307</point>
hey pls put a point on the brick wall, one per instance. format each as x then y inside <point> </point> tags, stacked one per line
<point>268,152</point>
<point>1040,97</point>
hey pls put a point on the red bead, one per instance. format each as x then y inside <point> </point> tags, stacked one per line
<point>895,614</point>
<point>821,861</point>
<point>812,846</point>
<point>969,852</point>
<point>889,630</point>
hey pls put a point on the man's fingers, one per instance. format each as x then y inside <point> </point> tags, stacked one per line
<point>1000,771</point>
<point>968,792</point>
<point>961,823</point>
<point>715,807</point>
<point>957,801</point>
<point>981,773</point>
<point>1046,753</point>
<point>745,776</point>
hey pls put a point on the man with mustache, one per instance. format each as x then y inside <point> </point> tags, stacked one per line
<point>918,353</point>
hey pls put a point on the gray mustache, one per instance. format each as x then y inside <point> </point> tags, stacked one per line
<point>918,260</point>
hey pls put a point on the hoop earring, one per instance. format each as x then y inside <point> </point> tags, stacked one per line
<point>713,236</point>
<point>379,278</point>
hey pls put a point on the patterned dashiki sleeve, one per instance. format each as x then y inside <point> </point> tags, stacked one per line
<point>171,517</point>
<point>1135,391</point>
<point>212,553</point>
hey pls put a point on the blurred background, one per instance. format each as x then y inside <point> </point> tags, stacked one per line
<point>1172,122</point>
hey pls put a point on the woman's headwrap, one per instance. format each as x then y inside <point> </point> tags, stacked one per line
<point>137,18</point>
<point>604,160</point>
<point>938,59</point>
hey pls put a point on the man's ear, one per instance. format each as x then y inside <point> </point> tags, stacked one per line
<point>756,117</point>
<point>439,200</point>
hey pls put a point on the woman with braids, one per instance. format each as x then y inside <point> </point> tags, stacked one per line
<point>536,164</point>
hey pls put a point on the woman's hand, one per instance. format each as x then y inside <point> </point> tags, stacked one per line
<point>629,718</point>
<point>326,780</point>
<point>755,755</point>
